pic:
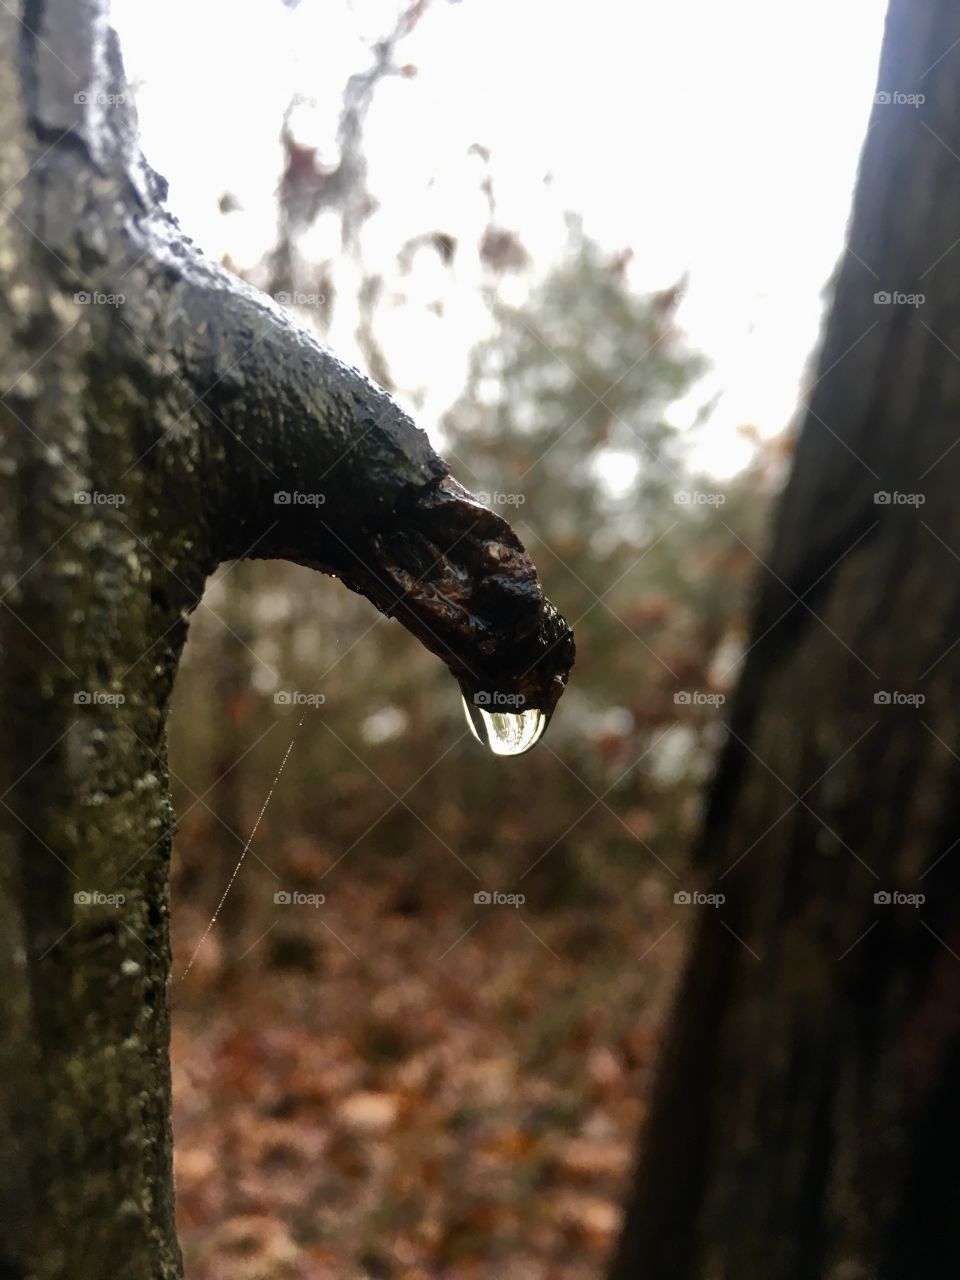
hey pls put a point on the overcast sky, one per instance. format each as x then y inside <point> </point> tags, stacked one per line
<point>718,141</point>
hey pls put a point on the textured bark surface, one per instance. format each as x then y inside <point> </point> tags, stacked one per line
<point>147,430</point>
<point>805,1122</point>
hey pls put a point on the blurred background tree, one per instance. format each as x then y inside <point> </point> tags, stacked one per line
<point>396,1078</point>
<point>391,810</point>
<point>562,427</point>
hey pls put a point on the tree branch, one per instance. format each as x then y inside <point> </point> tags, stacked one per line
<point>252,410</point>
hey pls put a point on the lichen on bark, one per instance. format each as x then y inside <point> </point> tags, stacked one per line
<point>154,408</point>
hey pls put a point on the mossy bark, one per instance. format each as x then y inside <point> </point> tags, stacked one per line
<point>153,408</point>
<point>806,1123</point>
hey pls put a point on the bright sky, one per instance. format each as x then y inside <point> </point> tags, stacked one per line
<point>718,141</point>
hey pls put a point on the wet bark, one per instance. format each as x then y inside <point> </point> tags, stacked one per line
<point>158,417</point>
<point>806,1122</point>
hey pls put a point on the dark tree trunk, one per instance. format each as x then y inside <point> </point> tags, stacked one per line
<point>146,428</point>
<point>806,1121</point>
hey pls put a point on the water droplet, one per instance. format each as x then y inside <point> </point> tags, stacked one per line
<point>506,733</point>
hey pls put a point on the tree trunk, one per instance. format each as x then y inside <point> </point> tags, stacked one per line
<point>805,1122</point>
<point>158,417</point>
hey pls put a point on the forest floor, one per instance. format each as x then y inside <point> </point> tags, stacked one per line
<point>409,1089</point>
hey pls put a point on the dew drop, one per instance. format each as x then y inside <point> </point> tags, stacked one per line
<point>506,733</point>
